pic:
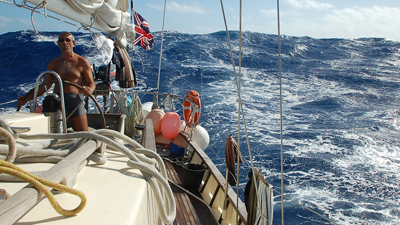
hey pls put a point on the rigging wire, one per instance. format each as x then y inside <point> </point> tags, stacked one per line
<point>8,102</point>
<point>280,106</point>
<point>33,9</point>
<point>239,103</point>
<point>281,113</point>
<point>237,85</point>
<point>240,111</point>
<point>161,46</point>
<point>240,106</point>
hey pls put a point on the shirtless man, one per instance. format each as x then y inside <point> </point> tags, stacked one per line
<point>73,68</point>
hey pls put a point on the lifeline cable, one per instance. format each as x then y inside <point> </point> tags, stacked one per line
<point>8,102</point>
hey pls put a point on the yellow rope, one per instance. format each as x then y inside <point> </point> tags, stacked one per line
<point>39,183</point>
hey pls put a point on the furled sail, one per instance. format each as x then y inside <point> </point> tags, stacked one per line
<point>109,17</point>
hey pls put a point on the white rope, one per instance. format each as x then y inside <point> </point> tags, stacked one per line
<point>139,158</point>
<point>122,108</point>
<point>10,178</point>
<point>6,125</point>
<point>37,154</point>
<point>33,9</point>
<point>11,144</point>
<point>35,151</point>
<point>39,6</point>
<point>133,112</point>
<point>136,114</point>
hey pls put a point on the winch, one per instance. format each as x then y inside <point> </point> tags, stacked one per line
<point>52,109</point>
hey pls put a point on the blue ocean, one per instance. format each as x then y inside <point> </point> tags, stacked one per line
<point>340,108</point>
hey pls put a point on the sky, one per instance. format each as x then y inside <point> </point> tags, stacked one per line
<point>313,18</point>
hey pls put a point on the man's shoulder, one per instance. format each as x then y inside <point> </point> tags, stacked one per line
<point>81,59</point>
<point>53,62</point>
<point>83,62</point>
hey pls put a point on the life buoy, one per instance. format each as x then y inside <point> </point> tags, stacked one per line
<point>194,97</point>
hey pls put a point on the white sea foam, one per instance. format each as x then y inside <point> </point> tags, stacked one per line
<point>340,119</point>
<point>45,38</point>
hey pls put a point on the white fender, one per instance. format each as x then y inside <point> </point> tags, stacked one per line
<point>146,108</point>
<point>200,135</point>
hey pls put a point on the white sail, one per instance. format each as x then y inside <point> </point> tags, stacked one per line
<point>109,17</point>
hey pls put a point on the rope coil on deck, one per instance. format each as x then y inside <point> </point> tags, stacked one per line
<point>40,184</point>
<point>11,144</point>
<point>140,158</point>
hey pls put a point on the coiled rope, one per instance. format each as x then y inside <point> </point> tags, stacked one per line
<point>140,158</point>
<point>40,184</point>
<point>11,144</point>
<point>132,111</point>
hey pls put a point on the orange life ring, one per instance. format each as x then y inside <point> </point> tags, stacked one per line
<point>194,97</point>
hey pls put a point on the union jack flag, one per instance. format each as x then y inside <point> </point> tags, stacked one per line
<point>143,37</point>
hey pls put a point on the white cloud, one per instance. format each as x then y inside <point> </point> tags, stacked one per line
<point>273,13</point>
<point>153,6</point>
<point>270,12</point>
<point>25,21</point>
<point>308,4</point>
<point>179,8</point>
<point>357,22</point>
<point>4,21</point>
<point>366,22</point>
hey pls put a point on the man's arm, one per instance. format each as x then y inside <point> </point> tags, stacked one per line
<point>22,100</point>
<point>88,76</point>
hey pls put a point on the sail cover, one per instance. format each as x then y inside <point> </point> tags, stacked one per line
<point>109,17</point>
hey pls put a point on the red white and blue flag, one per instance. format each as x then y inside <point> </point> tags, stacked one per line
<point>143,37</point>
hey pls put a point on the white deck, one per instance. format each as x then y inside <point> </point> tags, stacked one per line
<point>38,123</point>
<point>115,195</point>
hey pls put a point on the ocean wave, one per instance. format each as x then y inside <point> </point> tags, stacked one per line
<point>340,101</point>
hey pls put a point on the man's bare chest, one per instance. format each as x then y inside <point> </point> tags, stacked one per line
<point>69,69</point>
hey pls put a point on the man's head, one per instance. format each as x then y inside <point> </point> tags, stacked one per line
<point>66,41</point>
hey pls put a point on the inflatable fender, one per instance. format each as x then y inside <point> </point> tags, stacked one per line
<point>156,116</point>
<point>146,108</point>
<point>200,135</point>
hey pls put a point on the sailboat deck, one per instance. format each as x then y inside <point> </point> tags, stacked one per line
<point>189,209</point>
